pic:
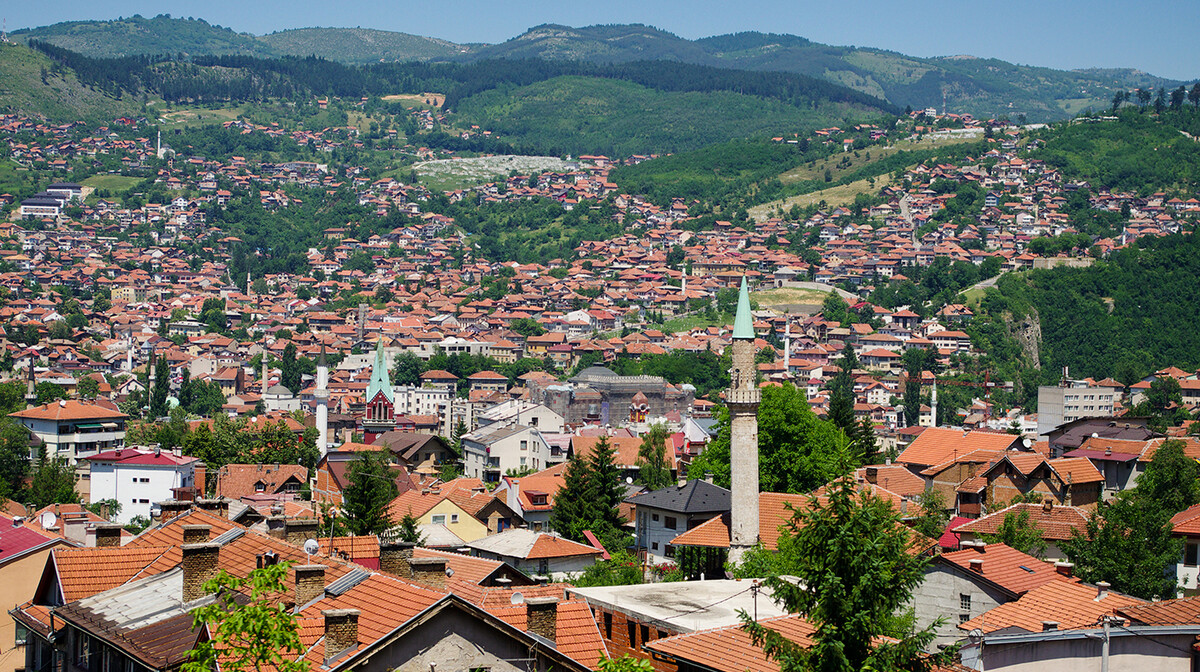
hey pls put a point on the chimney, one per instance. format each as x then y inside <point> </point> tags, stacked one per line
<point>542,617</point>
<point>108,535</point>
<point>394,557</point>
<point>172,508</point>
<point>75,528</point>
<point>1047,626</point>
<point>310,583</point>
<point>872,475</point>
<point>299,530</point>
<point>430,572</point>
<point>708,477</point>
<point>196,534</point>
<point>1047,505</point>
<point>199,565</point>
<point>218,506</point>
<point>200,478</point>
<point>977,565</point>
<point>1065,568</point>
<point>341,631</point>
<point>1102,590</point>
<point>276,527</point>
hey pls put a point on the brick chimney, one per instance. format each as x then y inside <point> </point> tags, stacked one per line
<point>200,478</point>
<point>872,475</point>
<point>299,530</point>
<point>542,616</point>
<point>341,631</point>
<point>196,534</point>
<point>172,508</point>
<point>394,557</point>
<point>976,565</point>
<point>310,583</point>
<point>199,565</point>
<point>1065,568</point>
<point>108,534</point>
<point>429,572</point>
<point>276,527</point>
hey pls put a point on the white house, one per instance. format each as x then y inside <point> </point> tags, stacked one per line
<point>537,553</point>
<point>72,429</point>
<point>522,412</point>
<point>493,451</point>
<point>138,478</point>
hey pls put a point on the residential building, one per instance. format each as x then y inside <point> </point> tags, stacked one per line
<point>494,451</point>
<point>24,552</point>
<point>73,429</point>
<point>137,479</point>
<point>537,553</point>
<point>1072,400</point>
<point>235,481</point>
<point>662,515</point>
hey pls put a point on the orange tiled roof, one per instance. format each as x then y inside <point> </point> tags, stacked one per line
<point>1071,605</point>
<point>1184,611</point>
<point>1006,567</point>
<point>550,546</point>
<point>730,649</point>
<point>937,445</point>
<point>1055,523</point>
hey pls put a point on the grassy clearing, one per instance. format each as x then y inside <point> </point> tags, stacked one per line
<point>450,174</point>
<point>187,117</point>
<point>788,295</point>
<point>840,195</point>
<point>413,100</point>
<point>847,162</point>
<point>113,183</point>
<point>690,322</point>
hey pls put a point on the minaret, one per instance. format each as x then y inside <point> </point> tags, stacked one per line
<point>129,351</point>
<point>30,385</point>
<point>263,381</point>
<point>321,398</point>
<point>933,403</point>
<point>787,345</point>
<point>743,398</point>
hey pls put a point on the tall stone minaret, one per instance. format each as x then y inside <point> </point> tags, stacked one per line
<point>321,398</point>
<point>743,398</point>
<point>30,385</point>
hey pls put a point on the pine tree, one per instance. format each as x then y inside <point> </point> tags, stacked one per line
<point>162,382</point>
<point>371,488</point>
<point>652,456</point>
<point>289,369</point>
<point>575,504</point>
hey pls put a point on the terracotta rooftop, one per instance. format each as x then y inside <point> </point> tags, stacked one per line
<point>69,409</point>
<point>1071,605</point>
<point>729,649</point>
<point>1006,567</point>
<point>1055,523</point>
<point>1184,611</point>
<point>937,445</point>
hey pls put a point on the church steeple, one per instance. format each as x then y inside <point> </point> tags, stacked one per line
<point>381,401</point>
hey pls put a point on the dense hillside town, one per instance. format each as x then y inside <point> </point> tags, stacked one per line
<point>539,420</point>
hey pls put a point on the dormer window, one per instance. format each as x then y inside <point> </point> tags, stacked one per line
<point>260,486</point>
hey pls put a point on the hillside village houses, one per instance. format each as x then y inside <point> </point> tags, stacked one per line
<point>367,602</point>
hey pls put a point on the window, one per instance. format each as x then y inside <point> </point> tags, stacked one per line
<point>654,517</point>
<point>439,519</point>
<point>1191,553</point>
<point>533,421</point>
<point>524,445</point>
<point>645,634</point>
<point>543,566</point>
<point>654,546</point>
<point>670,522</point>
<point>964,602</point>
<point>522,461</point>
<point>21,635</point>
<point>632,634</point>
<point>670,551</point>
<point>963,618</point>
<point>454,518</point>
<point>608,626</point>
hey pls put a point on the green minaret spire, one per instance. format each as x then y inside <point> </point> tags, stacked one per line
<point>743,324</point>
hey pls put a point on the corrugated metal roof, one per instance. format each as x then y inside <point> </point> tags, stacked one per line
<point>350,580</point>
<point>228,536</point>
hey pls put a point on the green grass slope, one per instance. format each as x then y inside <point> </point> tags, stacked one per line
<point>31,84</point>
<point>592,115</point>
<point>138,35</point>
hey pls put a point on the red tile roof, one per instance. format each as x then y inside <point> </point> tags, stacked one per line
<point>1071,605</point>
<point>729,649</point>
<point>1055,524</point>
<point>1006,567</point>
<point>937,445</point>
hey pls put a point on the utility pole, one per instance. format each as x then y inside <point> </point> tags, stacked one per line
<point>1104,645</point>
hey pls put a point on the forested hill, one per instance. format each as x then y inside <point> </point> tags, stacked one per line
<point>983,87</point>
<point>1125,317</point>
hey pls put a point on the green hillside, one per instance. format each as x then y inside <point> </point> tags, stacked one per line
<point>593,115</point>
<point>359,45</point>
<point>32,84</point>
<point>138,35</point>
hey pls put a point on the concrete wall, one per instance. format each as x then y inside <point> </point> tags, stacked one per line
<point>940,596</point>
<point>1166,653</point>
<point>625,635</point>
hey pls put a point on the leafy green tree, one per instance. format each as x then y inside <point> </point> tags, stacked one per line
<point>652,458</point>
<point>841,391</point>
<point>48,392</point>
<point>527,327</point>
<point>933,517</point>
<point>88,388</point>
<point>608,492</point>
<point>406,530</point>
<point>371,487</point>
<point>625,663</point>
<point>14,458</point>
<point>1019,532</point>
<point>289,368</point>
<point>53,482</point>
<point>1128,541</point>
<point>855,572</point>
<point>798,451</point>
<point>621,569</point>
<point>407,369</point>
<point>162,383</point>
<point>835,309</point>
<point>252,635</point>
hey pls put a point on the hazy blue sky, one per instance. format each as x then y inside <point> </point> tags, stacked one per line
<point>1153,35</point>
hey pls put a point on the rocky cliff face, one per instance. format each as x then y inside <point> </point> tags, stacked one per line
<point>1027,330</point>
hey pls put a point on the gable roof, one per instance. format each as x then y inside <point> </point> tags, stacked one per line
<point>1071,605</point>
<point>729,648</point>
<point>695,496</point>
<point>238,480</point>
<point>530,545</point>
<point>1055,523</point>
<point>937,445</point>
<point>1005,567</point>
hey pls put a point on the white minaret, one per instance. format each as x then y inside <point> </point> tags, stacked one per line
<point>129,351</point>
<point>787,346</point>
<point>321,397</point>
<point>933,404</point>
<point>743,398</point>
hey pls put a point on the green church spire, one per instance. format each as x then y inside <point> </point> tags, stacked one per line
<point>743,324</point>
<point>379,376</point>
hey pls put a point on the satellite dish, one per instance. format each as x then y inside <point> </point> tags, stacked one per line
<point>449,572</point>
<point>629,480</point>
<point>311,546</point>
<point>48,520</point>
<point>517,598</point>
<point>1026,442</point>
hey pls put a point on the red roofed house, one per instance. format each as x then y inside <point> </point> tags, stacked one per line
<point>23,555</point>
<point>74,429</point>
<point>537,552</point>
